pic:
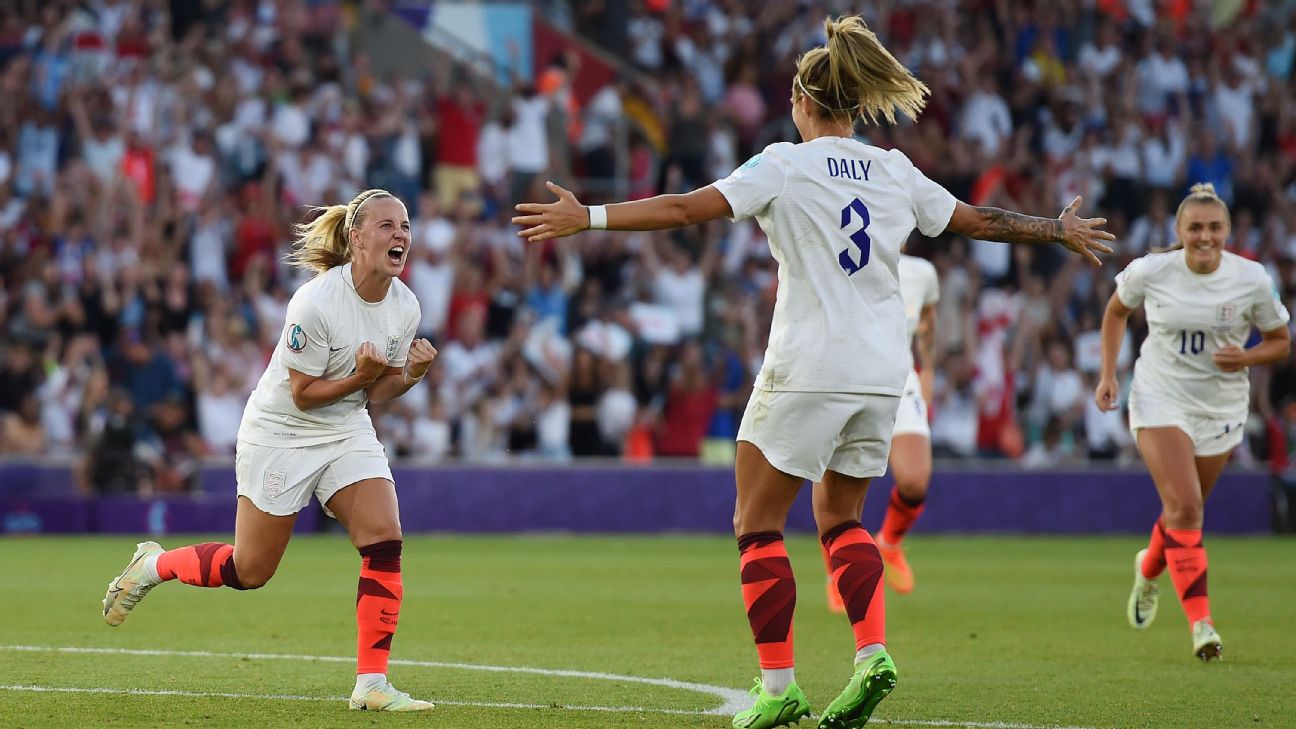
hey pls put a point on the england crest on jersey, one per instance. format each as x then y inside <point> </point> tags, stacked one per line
<point>1225,313</point>
<point>393,343</point>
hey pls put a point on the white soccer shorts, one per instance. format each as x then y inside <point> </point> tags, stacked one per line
<point>807,433</point>
<point>280,481</point>
<point>911,417</point>
<point>1210,435</point>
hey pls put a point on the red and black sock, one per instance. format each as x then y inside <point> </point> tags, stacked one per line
<point>857,568</point>
<point>378,600</point>
<point>769,592</point>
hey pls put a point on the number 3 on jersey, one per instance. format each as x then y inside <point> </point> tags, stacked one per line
<point>860,237</point>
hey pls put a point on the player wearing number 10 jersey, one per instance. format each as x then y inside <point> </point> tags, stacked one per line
<point>1189,398</point>
<point>836,212</point>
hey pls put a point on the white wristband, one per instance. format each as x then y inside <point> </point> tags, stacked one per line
<point>598,217</point>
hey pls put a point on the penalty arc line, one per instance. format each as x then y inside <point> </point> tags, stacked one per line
<point>735,700</point>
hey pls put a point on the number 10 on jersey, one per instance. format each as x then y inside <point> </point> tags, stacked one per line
<point>860,237</point>
<point>1193,342</point>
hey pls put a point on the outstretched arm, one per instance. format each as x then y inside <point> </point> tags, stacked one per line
<point>1114,322</point>
<point>568,217</point>
<point>1079,235</point>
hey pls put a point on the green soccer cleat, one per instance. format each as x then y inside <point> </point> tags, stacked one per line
<point>874,678</point>
<point>128,588</point>
<point>386,698</point>
<point>771,711</point>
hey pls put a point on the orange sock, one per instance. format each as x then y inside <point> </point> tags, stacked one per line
<point>1187,560</point>
<point>769,592</point>
<point>210,564</point>
<point>857,567</point>
<point>1154,561</point>
<point>900,517</point>
<point>832,583</point>
<point>378,599</point>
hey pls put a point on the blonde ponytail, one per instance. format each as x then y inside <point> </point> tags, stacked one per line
<point>322,240</point>
<point>855,76</point>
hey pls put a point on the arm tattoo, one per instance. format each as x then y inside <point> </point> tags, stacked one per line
<point>1009,227</point>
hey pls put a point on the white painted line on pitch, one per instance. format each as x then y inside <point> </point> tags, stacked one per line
<point>735,700</point>
<point>339,699</point>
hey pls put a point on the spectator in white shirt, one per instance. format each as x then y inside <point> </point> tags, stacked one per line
<point>1101,56</point>
<point>985,117</point>
<point>1164,154</point>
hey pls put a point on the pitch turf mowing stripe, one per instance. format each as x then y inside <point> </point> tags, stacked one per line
<point>735,700</point>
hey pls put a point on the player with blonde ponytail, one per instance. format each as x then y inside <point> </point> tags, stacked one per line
<point>1188,401</point>
<point>835,212</point>
<point>349,340</point>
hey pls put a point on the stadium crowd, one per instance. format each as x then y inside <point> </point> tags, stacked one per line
<point>154,156</point>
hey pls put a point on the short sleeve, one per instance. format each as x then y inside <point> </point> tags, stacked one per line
<point>407,338</point>
<point>1131,284</point>
<point>933,205</point>
<point>752,187</point>
<point>1267,310</point>
<point>304,344</point>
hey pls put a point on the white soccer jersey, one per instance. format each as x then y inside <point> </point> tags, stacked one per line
<point>327,322</point>
<point>1190,316</point>
<point>836,212</point>
<point>919,287</point>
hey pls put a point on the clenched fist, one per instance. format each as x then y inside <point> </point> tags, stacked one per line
<point>370,362</point>
<point>421,354</point>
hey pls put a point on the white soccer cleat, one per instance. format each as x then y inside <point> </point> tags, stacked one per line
<point>125,592</point>
<point>1142,607</point>
<point>1206,642</point>
<point>387,698</point>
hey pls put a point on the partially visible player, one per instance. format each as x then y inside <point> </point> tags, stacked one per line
<point>911,457</point>
<point>835,212</point>
<point>1189,397</point>
<point>349,340</point>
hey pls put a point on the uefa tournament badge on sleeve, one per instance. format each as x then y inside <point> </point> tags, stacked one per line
<point>295,338</point>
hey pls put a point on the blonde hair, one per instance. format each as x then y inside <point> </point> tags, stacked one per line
<point>855,76</point>
<point>1202,193</point>
<point>322,240</point>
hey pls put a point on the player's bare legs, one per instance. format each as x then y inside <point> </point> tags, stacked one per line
<point>260,540</point>
<point>765,495</point>
<point>259,543</point>
<point>911,466</point>
<point>1182,480</point>
<point>856,567</point>
<point>369,511</point>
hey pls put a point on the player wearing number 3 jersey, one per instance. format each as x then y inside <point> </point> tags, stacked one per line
<point>1190,392</point>
<point>835,212</point>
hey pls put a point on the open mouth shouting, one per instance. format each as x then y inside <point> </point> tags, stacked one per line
<point>396,254</point>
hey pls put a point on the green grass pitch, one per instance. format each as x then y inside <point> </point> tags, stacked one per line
<point>1001,632</point>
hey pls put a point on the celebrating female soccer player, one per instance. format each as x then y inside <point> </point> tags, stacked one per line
<point>911,456</point>
<point>1190,392</point>
<point>349,340</point>
<point>836,212</point>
